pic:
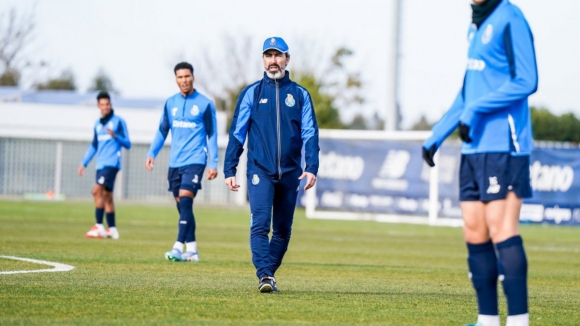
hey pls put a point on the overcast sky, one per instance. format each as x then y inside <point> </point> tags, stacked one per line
<point>138,41</point>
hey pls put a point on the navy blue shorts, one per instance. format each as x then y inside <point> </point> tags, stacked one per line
<point>106,178</point>
<point>186,177</point>
<point>490,176</point>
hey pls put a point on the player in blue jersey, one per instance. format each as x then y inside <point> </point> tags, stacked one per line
<point>278,117</point>
<point>492,113</point>
<point>191,117</point>
<point>109,136</point>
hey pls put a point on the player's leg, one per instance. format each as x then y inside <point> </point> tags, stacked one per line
<point>482,260</point>
<point>98,230</point>
<point>191,177</point>
<point>174,181</point>
<point>503,220</point>
<point>108,188</point>
<point>283,216</point>
<point>261,193</point>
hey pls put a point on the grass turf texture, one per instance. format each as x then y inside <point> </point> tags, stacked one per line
<point>335,272</point>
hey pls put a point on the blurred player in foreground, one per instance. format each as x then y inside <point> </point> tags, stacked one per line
<point>109,135</point>
<point>493,117</point>
<point>278,117</point>
<point>191,118</point>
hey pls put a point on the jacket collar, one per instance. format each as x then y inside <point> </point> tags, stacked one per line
<point>282,81</point>
<point>106,118</point>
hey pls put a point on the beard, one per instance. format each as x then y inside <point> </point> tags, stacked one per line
<point>276,75</point>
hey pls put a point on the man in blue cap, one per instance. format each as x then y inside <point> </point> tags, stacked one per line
<point>278,117</point>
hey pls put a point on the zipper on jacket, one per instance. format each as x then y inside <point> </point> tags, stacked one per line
<point>278,130</point>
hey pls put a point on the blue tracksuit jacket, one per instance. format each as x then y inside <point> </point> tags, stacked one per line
<point>278,117</point>
<point>501,74</point>
<point>107,148</point>
<point>193,125</point>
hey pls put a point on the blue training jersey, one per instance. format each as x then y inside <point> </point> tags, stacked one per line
<point>193,125</point>
<point>107,148</point>
<point>501,74</point>
<point>279,120</point>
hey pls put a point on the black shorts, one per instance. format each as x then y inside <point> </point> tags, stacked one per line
<point>490,176</point>
<point>186,177</point>
<point>106,178</point>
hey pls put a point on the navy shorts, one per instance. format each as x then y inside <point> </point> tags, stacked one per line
<point>490,176</point>
<point>186,177</point>
<point>106,178</point>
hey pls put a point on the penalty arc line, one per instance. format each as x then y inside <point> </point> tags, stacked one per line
<point>58,267</point>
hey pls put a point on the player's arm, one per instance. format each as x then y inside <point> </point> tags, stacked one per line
<point>309,128</point>
<point>519,47</point>
<point>89,154</point>
<point>158,140</point>
<point>122,134</point>
<point>443,128</point>
<point>210,122</point>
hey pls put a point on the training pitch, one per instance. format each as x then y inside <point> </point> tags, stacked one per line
<point>335,272</point>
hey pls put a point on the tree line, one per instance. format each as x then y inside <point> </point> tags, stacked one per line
<point>545,125</point>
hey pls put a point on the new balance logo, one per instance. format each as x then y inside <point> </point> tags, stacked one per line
<point>263,101</point>
<point>195,179</point>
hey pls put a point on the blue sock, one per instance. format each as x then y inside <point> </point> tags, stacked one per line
<point>185,218</point>
<point>99,213</point>
<point>514,268</point>
<point>111,219</point>
<point>482,263</point>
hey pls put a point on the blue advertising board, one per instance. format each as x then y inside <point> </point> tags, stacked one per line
<point>389,176</point>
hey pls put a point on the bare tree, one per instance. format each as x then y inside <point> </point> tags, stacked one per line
<point>15,34</point>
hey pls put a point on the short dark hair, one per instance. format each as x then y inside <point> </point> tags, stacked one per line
<point>183,65</point>
<point>102,95</point>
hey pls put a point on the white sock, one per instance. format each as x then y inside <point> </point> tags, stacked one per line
<point>488,320</point>
<point>113,228</point>
<point>518,320</point>
<point>101,228</point>
<point>191,246</point>
<point>178,245</point>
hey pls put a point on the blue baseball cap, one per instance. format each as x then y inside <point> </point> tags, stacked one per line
<point>275,43</point>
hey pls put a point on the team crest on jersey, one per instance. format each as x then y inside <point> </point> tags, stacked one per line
<point>494,186</point>
<point>195,179</point>
<point>255,179</point>
<point>290,100</point>
<point>194,110</point>
<point>272,41</point>
<point>486,37</point>
<point>173,111</point>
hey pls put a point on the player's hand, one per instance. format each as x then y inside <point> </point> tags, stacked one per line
<point>149,164</point>
<point>111,132</point>
<point>310,180</point>
<point>464,133</point>
<point>231,183</point>
<point>428,155</point>
<point>211,174</point>
<point>81,170</point>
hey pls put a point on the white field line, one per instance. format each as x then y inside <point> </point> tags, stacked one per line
<point>58,267</point>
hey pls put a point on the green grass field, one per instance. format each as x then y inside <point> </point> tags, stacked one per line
<point>335,272</point>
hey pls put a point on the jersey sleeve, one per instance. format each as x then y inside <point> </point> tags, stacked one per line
<point>238,131</point>
<point>309,134</point>
<point>123,134</point>
<point>447,124</point>
<point>519,48</point>
<point>91,150</point>
<point>210,122</point>
<point>160,135</point>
